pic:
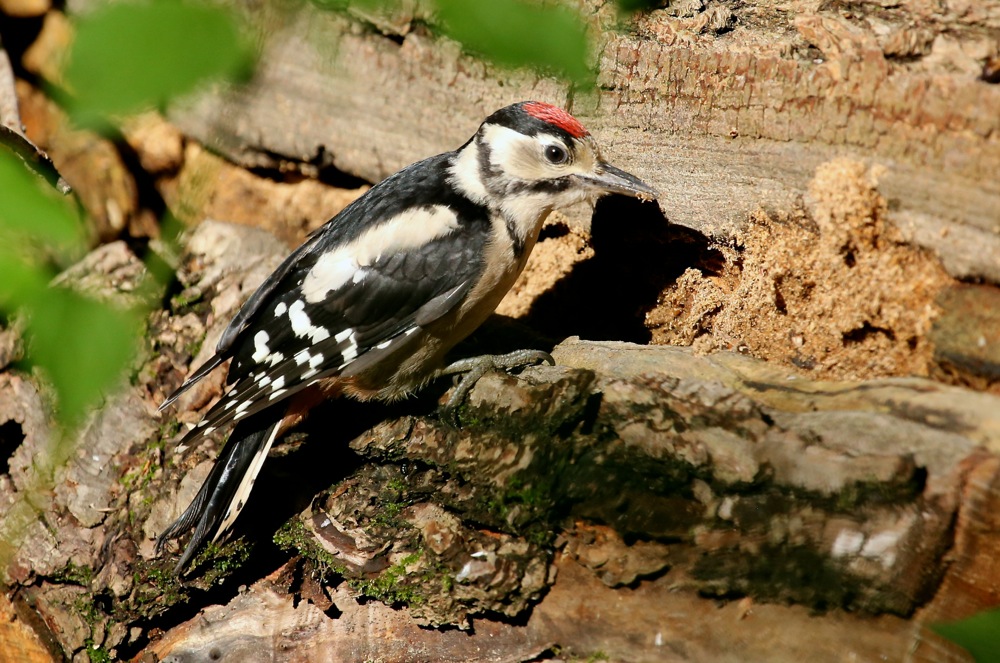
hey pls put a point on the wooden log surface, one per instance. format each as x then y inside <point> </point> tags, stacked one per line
<point>644,503</point>
<point>722,114</point>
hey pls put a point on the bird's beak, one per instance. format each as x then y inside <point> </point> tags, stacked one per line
<point>615,180</point>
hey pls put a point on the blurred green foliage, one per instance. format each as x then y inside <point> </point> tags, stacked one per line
<point>28,214</point>
<point>979,635</point>
<point>80,344</point>
<point>514,33</point>
<point>125,57</point>
<point>518,33</point>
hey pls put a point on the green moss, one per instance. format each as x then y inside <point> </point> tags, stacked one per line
<point>785,573</point>
<point>156,588</point>
<point>866,493</point>
<point>73,574</point>
<point>389,586</point>
<point>88,611</point>
<point>222,560</point>
<point>97,654</point>
<point>194,347</point>
<point>187,302</point>
<point>294,537</point>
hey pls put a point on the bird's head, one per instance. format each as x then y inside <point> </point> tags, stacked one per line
<point>532,157</point>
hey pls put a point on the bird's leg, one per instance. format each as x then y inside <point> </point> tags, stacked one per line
<point>476,367</point>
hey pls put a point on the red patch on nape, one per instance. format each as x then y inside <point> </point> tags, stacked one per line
<point>557,117</point>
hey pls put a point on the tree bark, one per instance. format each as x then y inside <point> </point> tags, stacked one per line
<point>723,111</point>
<point>843,516</point>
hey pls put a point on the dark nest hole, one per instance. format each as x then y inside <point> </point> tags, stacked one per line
<point>637,253</point>
<point>11,437</point>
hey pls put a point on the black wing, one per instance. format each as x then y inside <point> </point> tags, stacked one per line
<point>283,340</point>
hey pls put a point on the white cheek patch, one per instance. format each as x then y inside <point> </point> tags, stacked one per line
<point>514,154</point>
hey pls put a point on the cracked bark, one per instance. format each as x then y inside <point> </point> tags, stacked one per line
<point>843,516</point>
<point>721,119</point>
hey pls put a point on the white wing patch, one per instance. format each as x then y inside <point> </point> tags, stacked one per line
<point>303,326</point>
<point>405,231</point>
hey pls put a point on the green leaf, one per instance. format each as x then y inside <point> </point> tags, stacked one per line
<point>29,208</point>
<point>979,634</point>
<point>82,346</point>
<point>129,56</point>
<point>518,33</point>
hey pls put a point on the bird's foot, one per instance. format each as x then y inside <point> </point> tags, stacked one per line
<point>476,367</point>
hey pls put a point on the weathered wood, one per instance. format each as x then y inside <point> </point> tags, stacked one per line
<point>719,123</point>
<point>640,477</point>
<point>580,617</point>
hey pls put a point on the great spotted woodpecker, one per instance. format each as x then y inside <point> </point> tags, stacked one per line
<point>372,302</point>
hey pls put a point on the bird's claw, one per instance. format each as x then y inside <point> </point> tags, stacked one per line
<point>475,368</point>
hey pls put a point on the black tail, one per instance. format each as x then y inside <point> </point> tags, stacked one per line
<point>225,491</point>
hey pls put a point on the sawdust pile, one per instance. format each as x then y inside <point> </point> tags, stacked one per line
<point>830,288</point>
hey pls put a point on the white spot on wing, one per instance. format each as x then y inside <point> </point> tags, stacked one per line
<point>276,394</point>
<point>350,353</point>
<point>280,309</point>
<point>302,325</point>
<point>331,271</point>
<point>261,350</point>
<point>278,383</point>
<point>302,357</point>
<point>316,361</point>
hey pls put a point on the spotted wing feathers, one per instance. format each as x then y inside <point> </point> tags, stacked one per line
<point>326,315</point>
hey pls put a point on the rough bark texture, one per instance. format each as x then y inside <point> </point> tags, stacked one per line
<point>723,108</point>
<point>606,503</point>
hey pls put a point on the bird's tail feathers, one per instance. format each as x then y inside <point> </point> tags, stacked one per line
<point>228,486</point>
<point>202,371</point>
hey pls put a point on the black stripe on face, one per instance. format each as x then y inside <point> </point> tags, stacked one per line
<point>488,173</point>
<point>517,244</point>
<point>555,185</point>
<point>492,175</point>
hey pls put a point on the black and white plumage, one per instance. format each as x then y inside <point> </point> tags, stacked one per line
<point>371,303</point>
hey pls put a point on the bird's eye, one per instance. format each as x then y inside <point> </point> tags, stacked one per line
<point>556,154</point>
